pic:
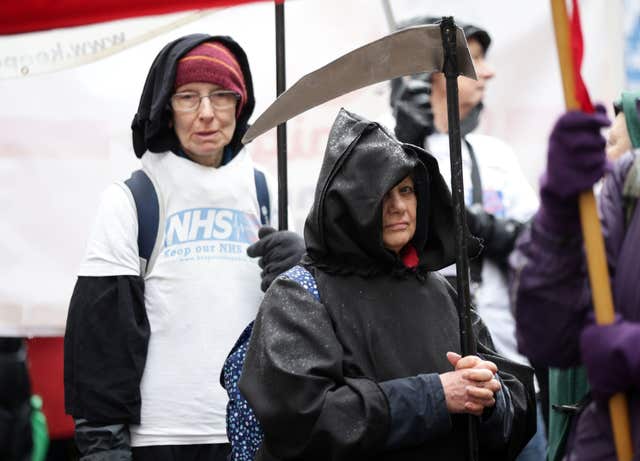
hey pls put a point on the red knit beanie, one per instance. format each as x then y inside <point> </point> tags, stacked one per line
<point>212,62</point>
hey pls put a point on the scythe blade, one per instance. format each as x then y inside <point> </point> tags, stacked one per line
<point>406,52</point>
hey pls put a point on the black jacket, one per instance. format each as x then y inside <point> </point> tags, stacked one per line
<point>351,376</point>
<point>15,393</point>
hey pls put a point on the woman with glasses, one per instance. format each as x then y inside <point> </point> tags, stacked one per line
<point>146,337</point>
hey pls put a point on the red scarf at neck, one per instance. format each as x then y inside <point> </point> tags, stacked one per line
<point>409,256</point>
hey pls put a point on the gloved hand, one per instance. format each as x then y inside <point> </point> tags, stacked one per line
<point>576,160</point>
<point>410,100</point>
<point>279,251</point>
<point>498,235</point>
<point>576,157</point>
<point>610,355</point>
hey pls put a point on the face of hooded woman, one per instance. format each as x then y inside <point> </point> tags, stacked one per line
<point>399,215</point>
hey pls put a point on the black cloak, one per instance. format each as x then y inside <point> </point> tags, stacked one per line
<point>318,373</point>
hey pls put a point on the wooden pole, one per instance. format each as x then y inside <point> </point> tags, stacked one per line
<point>593,240</point>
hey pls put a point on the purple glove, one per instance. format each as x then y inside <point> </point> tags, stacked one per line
<point>576,160</point>
<point>611,356</point>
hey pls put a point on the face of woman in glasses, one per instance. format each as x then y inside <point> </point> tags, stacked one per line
<point>205,131</point>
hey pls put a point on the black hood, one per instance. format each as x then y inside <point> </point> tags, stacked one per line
<point>363,161</point>
<point>151,124</point>
<point>410,97</point>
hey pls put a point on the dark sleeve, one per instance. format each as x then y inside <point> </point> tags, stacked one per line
<point>105,349</point>
<point>411,105</point>
<point>418,410</point>
<point>498,235</point>
<point>15,394</point>
<point>550,283</point>
<point>97,442</point>
<point>293,379</point>
<point>550,294</point>
<point>508,426</point>
<point>496,423</point>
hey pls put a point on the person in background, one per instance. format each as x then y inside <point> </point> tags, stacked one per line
<point>16,441</point>
<point>555,323</point>
<point>499,199</point>
<point>625,129</point>
<point>145,340</point>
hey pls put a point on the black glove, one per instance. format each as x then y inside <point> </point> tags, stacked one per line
<point>279,251</point>
<point>498,235</point>
<point>412,109</point>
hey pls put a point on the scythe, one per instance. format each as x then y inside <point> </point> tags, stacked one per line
<point>429,48</point>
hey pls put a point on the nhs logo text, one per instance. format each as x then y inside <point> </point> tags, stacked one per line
<point>200,224</point>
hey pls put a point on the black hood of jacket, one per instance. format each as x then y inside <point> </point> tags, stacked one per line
<point>410,97</point>
<point>363,161</point>
<point>151,124</point>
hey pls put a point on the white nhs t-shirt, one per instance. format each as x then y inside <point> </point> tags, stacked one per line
<point>200,292</point>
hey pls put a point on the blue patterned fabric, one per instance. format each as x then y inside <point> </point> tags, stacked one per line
<point>303,277</point>
<point>243,429</point>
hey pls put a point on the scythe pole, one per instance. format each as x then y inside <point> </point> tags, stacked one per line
<point>405,52</point>
<point>281,85</point>
<point>467,342</point>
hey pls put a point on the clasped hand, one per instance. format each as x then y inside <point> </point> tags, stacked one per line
<point>471,387</point>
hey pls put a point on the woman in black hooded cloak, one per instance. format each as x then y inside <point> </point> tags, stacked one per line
<point>354,354</point>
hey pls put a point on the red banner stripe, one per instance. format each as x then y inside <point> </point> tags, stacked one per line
<point>34,15</point>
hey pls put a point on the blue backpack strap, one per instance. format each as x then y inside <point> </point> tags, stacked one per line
<point>263,196</point>
<point>243,429</point>
<point>148,211</point>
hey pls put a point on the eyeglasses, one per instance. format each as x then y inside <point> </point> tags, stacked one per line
<point>189,101</point>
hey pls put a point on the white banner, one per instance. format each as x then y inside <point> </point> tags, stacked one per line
<point>65,135</point>
<point>35,53</point>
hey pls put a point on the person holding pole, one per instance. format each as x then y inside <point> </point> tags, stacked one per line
<point>555,323</point>
<point>147,334</point>
<point>354,353</point>
<point>498,197</point>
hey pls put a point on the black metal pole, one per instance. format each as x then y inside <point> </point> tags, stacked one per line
<point>448,30</point>
<point>281,86</point>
